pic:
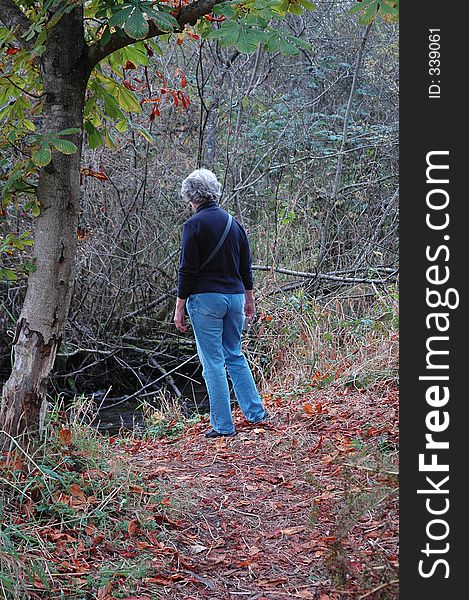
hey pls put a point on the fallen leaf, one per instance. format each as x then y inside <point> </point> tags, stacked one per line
<point>198,548</point>
<point>132,527</point>
<point>65,436</point>
<point>75,491</point>
<point>292,530</point>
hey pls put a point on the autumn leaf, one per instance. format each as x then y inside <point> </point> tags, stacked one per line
<point>95,174</point>
<point>197,548</point>
<point>132,527</point>
<point>292,530</point>
<point>65,436</point>
<point>305,594</point>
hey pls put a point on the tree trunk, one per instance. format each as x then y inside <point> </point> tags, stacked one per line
<point>39,328</point>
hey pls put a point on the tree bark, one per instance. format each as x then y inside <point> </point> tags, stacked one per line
<point>39,329</point>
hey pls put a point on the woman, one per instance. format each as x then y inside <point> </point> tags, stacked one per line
<point>215,284</point>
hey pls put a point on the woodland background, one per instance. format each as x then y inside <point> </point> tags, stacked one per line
<point>306,147</point>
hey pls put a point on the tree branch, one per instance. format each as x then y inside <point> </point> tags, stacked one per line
<point>14,19</point>
<point>187,15</point>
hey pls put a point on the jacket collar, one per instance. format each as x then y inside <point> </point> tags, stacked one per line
<point>205,205</point>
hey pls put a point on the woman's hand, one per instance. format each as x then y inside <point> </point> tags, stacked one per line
<point>180,316</point>
<point>249,305</point>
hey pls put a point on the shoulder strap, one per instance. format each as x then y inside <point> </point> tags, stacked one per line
<point>220,242</point>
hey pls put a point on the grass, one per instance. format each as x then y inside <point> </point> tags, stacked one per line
<point>361,517</point>
<point>301,344</point>
<point>77,518</point>
<point>166,419</point>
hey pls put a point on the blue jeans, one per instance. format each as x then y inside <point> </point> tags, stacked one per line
<point>217,320</point>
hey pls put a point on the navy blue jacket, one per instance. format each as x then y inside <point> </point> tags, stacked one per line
<point>229,271</point>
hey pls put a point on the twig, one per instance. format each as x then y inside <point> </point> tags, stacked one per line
<point>380,587</point>
<point>369,468</point>
<point>146,386</point>
<point>168,377</point>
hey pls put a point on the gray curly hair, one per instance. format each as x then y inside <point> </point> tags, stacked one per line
<point>201,186</point>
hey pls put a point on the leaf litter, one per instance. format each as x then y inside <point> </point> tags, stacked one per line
<point>304,506</point>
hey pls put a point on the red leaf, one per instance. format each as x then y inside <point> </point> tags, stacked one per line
<point>183,77</point>
<point>129,86</point>
<point>162,77</point>
<point>213,19</point>
<point>155,112</point>
<point>65,435</point>
<point>12,51</point>
<point>132,527</point>
<point>130,65</point>
<point>96,174</point>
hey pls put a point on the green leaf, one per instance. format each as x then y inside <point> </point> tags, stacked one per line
<point>30,267</point>
<point>64,146</point>
<point>367,11</point>
<point>287,47</point>
<point>256,21</point>
<point>9,274</point>
<point>226,9</point>
<point>122,126</point>
<point>307,4</point>
<point>69,131</point>
<point>127,100</point>
<point>228,33</point>
<point>136,25</point>
<point>119,19</point>
<point>109,141</point>
<point>164,21</point>
<point>94,137</point>
<point>272,43</point>
<point>111,107</point>
<point>106,37</point>
<point>42,157</point>
<point>144,133</point>
<point>295,9</point>
<point>29,125</point>
<point>136,53</point>
<point>360,6</point>
<point>248,41</point>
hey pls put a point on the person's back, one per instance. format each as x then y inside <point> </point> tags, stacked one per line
<point>229,271</point>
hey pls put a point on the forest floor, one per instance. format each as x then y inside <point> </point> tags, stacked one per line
<point>302,507</point>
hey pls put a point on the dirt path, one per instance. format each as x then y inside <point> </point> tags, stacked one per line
<point>293,509</point>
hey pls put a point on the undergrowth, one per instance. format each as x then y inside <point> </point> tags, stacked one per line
<point>351,339</point>
<point>77,518</point>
